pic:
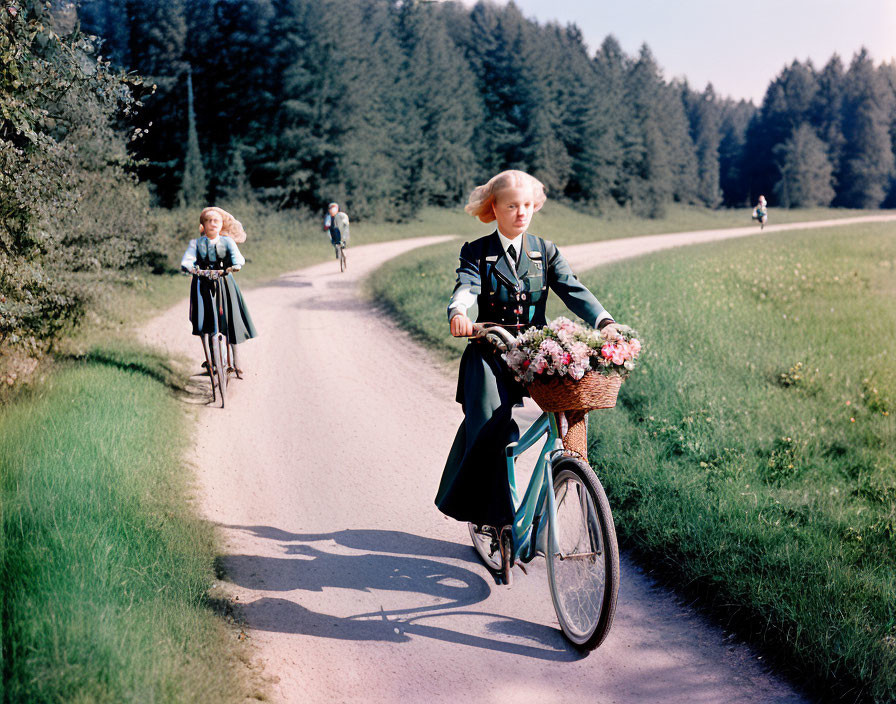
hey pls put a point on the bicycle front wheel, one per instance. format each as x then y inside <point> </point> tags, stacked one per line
<point>341,258</point>
<point>584,574</point>
<point>220,364</point>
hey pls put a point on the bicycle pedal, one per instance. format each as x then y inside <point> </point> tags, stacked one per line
<point>523,568</point>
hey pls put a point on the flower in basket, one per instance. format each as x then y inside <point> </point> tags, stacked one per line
<point>563,348</point>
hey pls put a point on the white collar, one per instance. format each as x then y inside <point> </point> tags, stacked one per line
<point>517,242</point>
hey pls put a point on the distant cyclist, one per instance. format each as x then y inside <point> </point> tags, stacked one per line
<point>336,223</point>
<point>760,212</point>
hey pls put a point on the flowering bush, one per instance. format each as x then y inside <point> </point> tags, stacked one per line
<point>565,348</point>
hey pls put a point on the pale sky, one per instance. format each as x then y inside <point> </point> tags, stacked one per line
<point>737,46</point>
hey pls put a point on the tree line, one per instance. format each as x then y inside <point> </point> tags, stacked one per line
<point>390,104</point>
<point>383,105</point>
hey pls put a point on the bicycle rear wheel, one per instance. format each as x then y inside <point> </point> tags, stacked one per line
<point>341,258</point>
<point>219,362</point>
<point>584,575</point>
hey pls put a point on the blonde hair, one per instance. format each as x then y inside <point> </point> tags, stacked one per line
<point>483,197</point>
<point>231,227</point>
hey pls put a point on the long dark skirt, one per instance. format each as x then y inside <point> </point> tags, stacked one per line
<point>474,485</point>
<point>235,323</point>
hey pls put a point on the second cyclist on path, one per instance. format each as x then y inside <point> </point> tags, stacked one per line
<point>337,224</point>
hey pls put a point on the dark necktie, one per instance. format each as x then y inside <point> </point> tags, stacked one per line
<point>512,252</point>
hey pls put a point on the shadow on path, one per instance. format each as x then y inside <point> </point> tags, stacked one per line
<point>396,562</point>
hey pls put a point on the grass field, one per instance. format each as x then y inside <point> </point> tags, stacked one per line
<point>751,457</point>
<point>106,570</point>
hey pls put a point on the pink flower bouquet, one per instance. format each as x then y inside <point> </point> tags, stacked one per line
<point>566,349</point>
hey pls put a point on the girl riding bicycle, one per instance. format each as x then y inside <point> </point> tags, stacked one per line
<point>214,250</point>
<point>760,212</point>
<point>507,274</point>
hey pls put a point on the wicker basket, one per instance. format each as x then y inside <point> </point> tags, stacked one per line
<point>575,399</point>
<point>591,392</point>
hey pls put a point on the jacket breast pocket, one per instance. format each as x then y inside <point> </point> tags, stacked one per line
<point>535,278</point>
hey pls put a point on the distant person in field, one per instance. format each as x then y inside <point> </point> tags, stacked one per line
<point>760,212</point>
<point>336,223</point>
<point>215,248</point>
<point>506,275</point>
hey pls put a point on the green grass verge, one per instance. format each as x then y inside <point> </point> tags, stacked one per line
<point>754,456</point>
<point>751,456</point>
<point>105,568</point>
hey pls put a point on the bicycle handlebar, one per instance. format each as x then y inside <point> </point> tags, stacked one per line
<point>495,334</point>
<point>211,274</point>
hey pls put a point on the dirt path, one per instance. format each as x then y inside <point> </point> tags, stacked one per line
<point>321,473</point>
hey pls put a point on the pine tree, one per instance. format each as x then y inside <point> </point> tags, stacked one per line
<point>682,153</point>
<point>235,180</point>
<point>610,116</point>
<point>806,171</point>
<point>704,117</point>
<point>788,102</point>
<point>194,184</point>
<point>649,179</point>
<point>495,48</point>
<point>867,160</point>
<point>545,71</point>
<point>888,71</point>
<point>157,41</point>
<point>827,112</point>
<point>735,118</point>
<point>233,80</point>
<point>439,111</point>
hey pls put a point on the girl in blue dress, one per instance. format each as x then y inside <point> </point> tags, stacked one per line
<point>214,250</point>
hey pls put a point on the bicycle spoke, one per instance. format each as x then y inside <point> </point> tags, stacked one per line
<point>579,572</point>
<point>584,571</point>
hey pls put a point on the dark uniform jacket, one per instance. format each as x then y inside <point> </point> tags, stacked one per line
<point>474,485</point>
<point>518,297</point>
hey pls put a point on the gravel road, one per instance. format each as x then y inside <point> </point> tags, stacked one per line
<point>321,474</point>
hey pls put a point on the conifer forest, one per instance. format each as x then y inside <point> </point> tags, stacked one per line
<point>387,105</point>
<point>115,106</point>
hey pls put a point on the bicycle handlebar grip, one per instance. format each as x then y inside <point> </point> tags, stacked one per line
<point>495,334</point>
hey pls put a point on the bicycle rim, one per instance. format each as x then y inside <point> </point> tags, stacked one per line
<point>486,545</point>
<point>584,575</point>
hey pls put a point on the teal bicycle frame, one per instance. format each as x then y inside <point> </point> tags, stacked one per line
<point>529,521</point>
